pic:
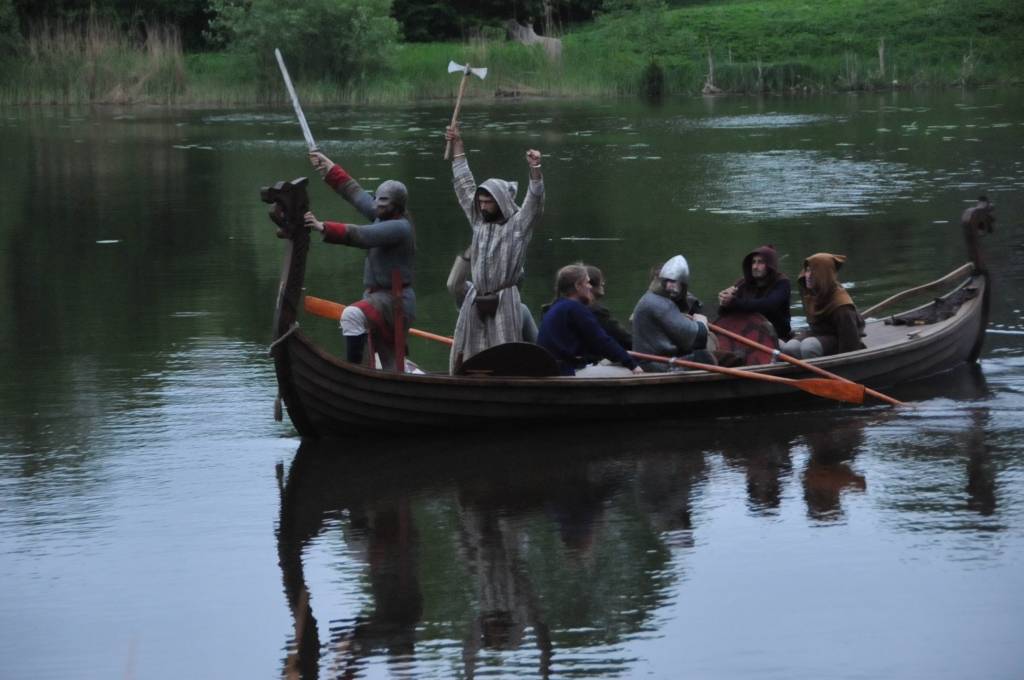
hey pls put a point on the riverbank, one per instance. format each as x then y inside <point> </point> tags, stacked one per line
<point>771,46</point>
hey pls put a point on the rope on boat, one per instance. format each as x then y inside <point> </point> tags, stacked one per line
<point>284,336</point>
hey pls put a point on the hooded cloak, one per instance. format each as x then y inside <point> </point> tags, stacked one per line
<point>830,309</point>
<point>497,256</point>
<point>770,299</point>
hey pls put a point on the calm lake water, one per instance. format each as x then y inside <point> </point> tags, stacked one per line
<point>156,522</point>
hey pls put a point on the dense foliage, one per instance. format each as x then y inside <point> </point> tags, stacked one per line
<point>189,17</point>
<point>347,40</point>
<point>434,20</point>
<point>419,20</point>
<point>10,37</point>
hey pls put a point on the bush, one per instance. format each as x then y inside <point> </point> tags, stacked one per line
<point>345,40</point>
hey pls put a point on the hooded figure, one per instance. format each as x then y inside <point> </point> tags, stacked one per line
<point>762,290</point>
<point>491,313</point>
<point>835,324</point>
<point>659,327</point>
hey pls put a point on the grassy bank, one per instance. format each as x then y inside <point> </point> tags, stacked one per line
<point>748,46</point>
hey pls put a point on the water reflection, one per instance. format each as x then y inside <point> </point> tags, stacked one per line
<point>829,470</point>
<point>755,121</point>
<point>815,183</point>
<point>981,475</point>
<point>530,543</point>
<point>766,462</point>
<point>505,556</point>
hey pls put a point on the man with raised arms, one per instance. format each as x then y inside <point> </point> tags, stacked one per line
<point>390,244</point>
<point>491,313</point>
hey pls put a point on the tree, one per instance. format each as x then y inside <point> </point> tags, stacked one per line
<point>430,20</point>
<point>10,35</point>
<point>347,40</point>
<point>190,17</point>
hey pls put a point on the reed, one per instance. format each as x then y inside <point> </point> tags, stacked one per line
<point>96,62</point>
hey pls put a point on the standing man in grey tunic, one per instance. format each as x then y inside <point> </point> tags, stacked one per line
<point>390,244</point>
<point>491,313</point>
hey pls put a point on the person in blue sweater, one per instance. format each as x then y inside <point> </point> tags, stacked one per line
<point>569,330</point>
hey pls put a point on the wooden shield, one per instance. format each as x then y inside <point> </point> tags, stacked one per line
<point>523,359</point>
<point>752,326</point>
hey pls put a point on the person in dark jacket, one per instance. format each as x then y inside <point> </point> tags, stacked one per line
<point>763,290</point>
<point>569,330</point>
<point>601,313</point>
<point>835,324</point>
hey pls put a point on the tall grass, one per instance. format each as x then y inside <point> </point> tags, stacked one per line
<point>96,62</point>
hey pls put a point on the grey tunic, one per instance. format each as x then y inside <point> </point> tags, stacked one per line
<point>497,255</point>
<point>660,328</point>
<point>389,245</point>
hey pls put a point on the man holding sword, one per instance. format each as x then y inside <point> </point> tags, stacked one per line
<point>388,306</point>
<point>390,242</point>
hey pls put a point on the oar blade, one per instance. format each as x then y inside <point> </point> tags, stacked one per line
<point>852,393</point>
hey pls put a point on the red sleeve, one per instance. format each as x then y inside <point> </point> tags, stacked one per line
<point>337,176</point>
<point>336,232</point>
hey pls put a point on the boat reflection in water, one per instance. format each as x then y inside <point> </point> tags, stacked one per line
<point>521,524</point>
<point>505,550</point>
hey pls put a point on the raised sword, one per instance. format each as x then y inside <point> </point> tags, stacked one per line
<point>295,102</point>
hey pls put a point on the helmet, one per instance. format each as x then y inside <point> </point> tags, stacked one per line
<point>394,192</point>
<point>676,269</point>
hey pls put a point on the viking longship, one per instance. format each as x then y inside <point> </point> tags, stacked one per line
<point>327,396</point>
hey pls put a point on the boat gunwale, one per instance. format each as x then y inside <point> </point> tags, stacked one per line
<point>938,330</point>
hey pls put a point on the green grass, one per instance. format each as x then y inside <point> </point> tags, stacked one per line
<point>791,44</point>
<point>756,45</point>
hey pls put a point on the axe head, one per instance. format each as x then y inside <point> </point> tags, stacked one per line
<point>480,73</point>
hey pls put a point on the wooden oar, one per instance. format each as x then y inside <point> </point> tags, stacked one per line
<point>333,310</point>
<point>819,387</point>
<point>803,364</point>
<point>829,389</point>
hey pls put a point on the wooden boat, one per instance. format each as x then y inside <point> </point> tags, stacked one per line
<point>327,396</point>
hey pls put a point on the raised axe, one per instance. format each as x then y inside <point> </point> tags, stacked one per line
<point>480,73</point>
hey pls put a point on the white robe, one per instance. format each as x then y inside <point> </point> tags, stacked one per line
<point>497,255</point>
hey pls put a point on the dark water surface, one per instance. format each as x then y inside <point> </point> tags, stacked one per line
<point>155,522</point>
